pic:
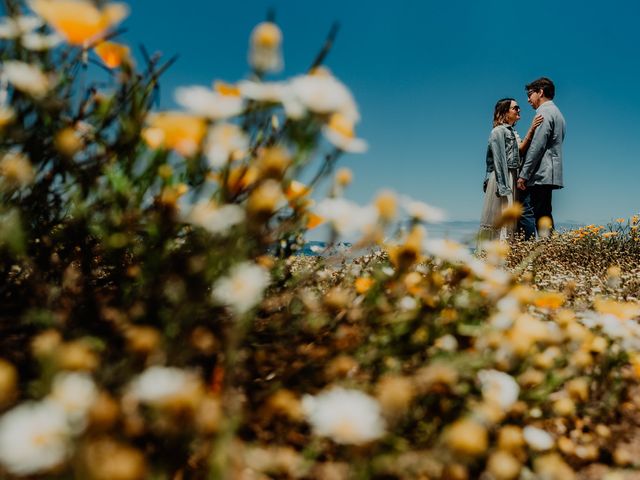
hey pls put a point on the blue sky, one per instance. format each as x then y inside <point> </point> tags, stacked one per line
<point>426,76</point>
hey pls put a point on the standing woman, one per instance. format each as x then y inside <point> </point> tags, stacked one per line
<point>503,161</point>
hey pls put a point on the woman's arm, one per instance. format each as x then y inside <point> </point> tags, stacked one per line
<point>526,141</point>
<point>497,143</point>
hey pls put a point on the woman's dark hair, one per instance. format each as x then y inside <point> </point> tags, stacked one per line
<point>500,111</point>
<point>545,84</point>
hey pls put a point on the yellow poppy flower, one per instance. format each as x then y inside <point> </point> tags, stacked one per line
<point>363,284</point>
<point>296,190</point>
<point>175,130</point>
<point>314,220</point>
<point>79,21</point>
<point>550,300</point>
<point>113,54</point>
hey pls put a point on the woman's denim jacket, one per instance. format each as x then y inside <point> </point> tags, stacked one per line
<point>502,155</point>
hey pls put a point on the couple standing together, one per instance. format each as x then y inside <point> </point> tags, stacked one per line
<point>525,171</point>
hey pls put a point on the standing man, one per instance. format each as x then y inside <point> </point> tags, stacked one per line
<point>541,172</point>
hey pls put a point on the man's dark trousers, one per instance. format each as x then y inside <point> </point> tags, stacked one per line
<point>536,203</point>
<point>527,222</point>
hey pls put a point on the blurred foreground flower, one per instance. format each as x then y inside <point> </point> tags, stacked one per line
<point>34,437</point>
<point>346,416</point>
<point>339,131</point>
<point>8,383</point>
<point>265,54</point>
<point>537,438</point>
<point>218,104</point>
<point>16,171</point>
<point>14,27</point>
<point>25,77</point>
<point>167,387</point>
<point>421,211</point>
<point>217,220</point>
<point>448,250</point>
<point>75,393</point>
<point>225,142</point>
<point>243,288</point>
<point>499,388</point>
<point>322,93</point>
<point>79,21</point>
<point>175,130</point>
<point>347,217</point>
<point>107,459</point>
<point>113,54</point>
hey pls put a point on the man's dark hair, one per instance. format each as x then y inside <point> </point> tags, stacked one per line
<point>545,84</point>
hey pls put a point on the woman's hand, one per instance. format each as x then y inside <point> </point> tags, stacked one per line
<point>537,121</point>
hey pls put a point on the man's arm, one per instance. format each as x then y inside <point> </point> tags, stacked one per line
<point>536,149</point>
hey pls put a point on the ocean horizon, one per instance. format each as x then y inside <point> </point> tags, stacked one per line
<point>463,231</point>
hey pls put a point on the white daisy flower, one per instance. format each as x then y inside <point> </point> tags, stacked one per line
<point>339,131</point>
<point>208,103</point>
<point>537,438</point>
<point>217,220</point>
<point>34,437</point>
<point>322,93</point>
<point>422,211</point>
<point>14,27</point>
<point>158,385</point>
<point>39,42</point>
<point>346,216</point>
<point>492,275</point>
<point>75,393</point>
<point>448,250</point>
<point>26,77</point>
<point>272,92</point>
<point>225,142</point>
<point>623,330</point>
<point>407,303</point>
<point>346,416</point>
<point>499,388</point>
<point>242,289</point>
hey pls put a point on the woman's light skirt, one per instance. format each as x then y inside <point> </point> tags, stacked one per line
<point>490,226</point>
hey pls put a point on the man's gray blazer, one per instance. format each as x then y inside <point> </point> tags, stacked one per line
<point>543,162</point>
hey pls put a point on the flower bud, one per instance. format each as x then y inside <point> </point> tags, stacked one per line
<point>503,465</point>
<point>142,339</point>
<point>45,343</point>
<point>387,205</point>
<point>68,142</point>
<point>265,198</point>
<point>510,438</point>
<point>273,161</point>
<point>265,46</point>
<point>344,177</point>
<point>104,412</point>
<point>395,394</point>
<point>467,437</point>
<point>8,383</point>
<point>107,459</point>
<point>76,355</point>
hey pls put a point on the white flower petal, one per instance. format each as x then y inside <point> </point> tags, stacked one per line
<point>34,437</point>
<point>346,416</point>
<point>537,438</point>
<point>242,289</point>
<point>207,103</point>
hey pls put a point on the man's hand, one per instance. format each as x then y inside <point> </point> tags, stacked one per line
<point>521,184</point>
